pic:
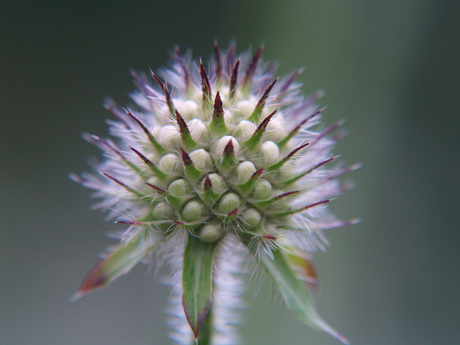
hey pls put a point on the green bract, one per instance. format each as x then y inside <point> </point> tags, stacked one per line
<point>216,165</point>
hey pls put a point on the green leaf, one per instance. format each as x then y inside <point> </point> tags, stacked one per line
<point>197,281</point>
<point>120,261</point>
<point>295,293</point>
<point>207,330</point>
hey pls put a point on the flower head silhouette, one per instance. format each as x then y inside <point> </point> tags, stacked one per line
<point>218,164</point>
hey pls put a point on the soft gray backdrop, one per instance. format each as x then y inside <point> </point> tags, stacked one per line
<point>390,68</point>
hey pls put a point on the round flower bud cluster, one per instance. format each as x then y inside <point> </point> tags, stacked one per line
<point>215,156</point>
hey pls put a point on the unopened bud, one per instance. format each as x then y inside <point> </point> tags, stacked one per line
<point>276,129</point>
<point>170,136</point>
<point>179,188</point>
<point>169,163</point>
<point>251,217</point>
<point>193,211</point>
<point>271,152</point>
<point>163,211</point>
<point>201,160</point>
<point>156,133</point>
<point>246,107</point>
<point>188,109</point>
<point>217,182</point>
<point>228,115</point>
<point>245,171</point>
<point>244,130</point>
<point>229,203</point>
<point>211,232</point>
<point>222,143</point>
<point>198,130</point>
<point>285,172</point>
<point>263,190</point>
<point>143,188</point>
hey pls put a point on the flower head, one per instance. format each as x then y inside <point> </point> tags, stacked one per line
<point>216,164</point>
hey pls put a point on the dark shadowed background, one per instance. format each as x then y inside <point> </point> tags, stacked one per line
<point>391,68</point>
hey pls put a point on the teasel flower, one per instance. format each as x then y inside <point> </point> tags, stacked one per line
<point>220,172</point>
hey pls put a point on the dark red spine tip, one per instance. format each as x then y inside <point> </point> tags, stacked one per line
<point>163,88</point>
<point>266,94</point>
<point>157,189</point>
<point>138,122</point>
<point>114,179</point>
<point>285,195</point>
<point>185,157</point>
<point>129,222</point>
<point>207,183</point>
<point>293,152</point>
<point>204,80</point>
<point>228,150</point>
<point>316,204</point>
<point>158,80</point>
<point>182,125</point>
<point>218,107</point>
<point>263,125</point>
<point>257,174</point>
<point>233,213</point>
<point>234,79</point>
<point>141,156</point>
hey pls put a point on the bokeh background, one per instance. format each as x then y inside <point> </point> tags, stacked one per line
<point>391,68</point>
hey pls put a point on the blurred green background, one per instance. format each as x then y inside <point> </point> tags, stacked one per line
<point>391,68</point>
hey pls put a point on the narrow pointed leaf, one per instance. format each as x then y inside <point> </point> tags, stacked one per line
<point>264,203</point>
<point>206,87</point>
<point>177,201</point>
<point>136,193</point>
<point>305,269</point>
<point>256,138</point>
<point>288,83</point>
<point>234,80</point>
<point>255,116</point>
<point>218,122</point>
<point>197,282</point>
<point>209,196</point>
<point>189,169</point>
<point>160,149</point>
<point>296,129</point>
<point>278,165</point>
<point>104,144</point>
<point>189,226</point>
<point>299,176</point>
<point>207,330</point>
<point>158,190</point>
<point>228,160</point>
<point>158,173</point>
<point>295,293</point>
<point>187,139</point>
<point>248,186</point>
<point>163,87</point>
<point>118,262</point>
<point>298,210</point>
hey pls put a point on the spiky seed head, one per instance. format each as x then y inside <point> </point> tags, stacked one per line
<point>222,155</point>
